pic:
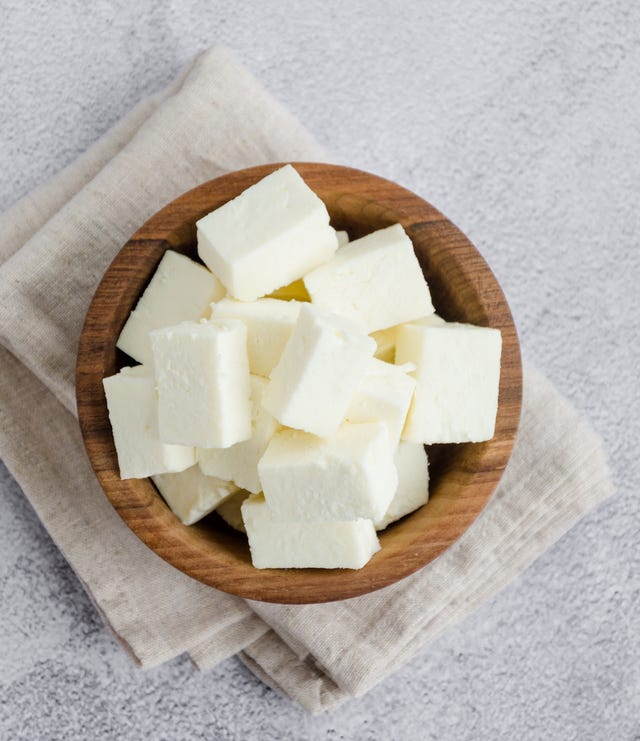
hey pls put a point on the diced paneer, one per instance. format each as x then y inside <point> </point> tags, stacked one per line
<point>320,368</point>
<point>273,233</point>
<point>320,545</point>
<point>413,483</point>
<point>202,375</point>
<point>269,325</point>
<point>375,281</point>
<point>180,290</point>
<point>239,463</point>
<point>457,378</point>
<point>348,476</point>
<point>230,512</point>
<point>133,411</point>
<point>191,495</point>
<point>384,394</point>
<point>293,292</point>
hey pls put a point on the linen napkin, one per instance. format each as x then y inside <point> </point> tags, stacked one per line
<point>54,247</point>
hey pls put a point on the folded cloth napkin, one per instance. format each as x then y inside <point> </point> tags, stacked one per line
<point>55,245</point>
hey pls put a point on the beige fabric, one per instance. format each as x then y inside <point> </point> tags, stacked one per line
<point>54,247</point>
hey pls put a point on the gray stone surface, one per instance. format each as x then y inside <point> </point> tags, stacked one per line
<point>519,121</point>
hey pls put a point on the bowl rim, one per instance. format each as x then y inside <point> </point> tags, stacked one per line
<point>138,502</point>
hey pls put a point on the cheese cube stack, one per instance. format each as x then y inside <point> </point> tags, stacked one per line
<point>202,372</point>
<point>375,281</point>
<point>306,395</point>
<point>239,463</point>
<point>133,411</point>
<point>322,545</point>
<point>384,394</point>
<point>269,325</point>
<point>180,289</point>
<point>191,495</point>
<point>348,476</point>
<point>320,368</point>
<point>457,378</point>
<point>273,233</point>
<point>412,465</point>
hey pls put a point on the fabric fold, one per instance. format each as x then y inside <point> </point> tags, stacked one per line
<point>55,245</point>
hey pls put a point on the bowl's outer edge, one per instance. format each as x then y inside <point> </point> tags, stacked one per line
<point>467,479</point>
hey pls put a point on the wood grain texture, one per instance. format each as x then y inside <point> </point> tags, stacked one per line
<point>463,477</point>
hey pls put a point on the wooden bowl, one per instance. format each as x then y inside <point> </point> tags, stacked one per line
<point>463,477</point>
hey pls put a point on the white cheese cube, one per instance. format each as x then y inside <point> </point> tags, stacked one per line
<point>343,238</point>
<point>202,374</point>
<point>384,394</point>
<point>180,289</point>
<point>230,512</point>
<point>348,476</point>
<point>319,545</point>
<point>413,483</point>
<point>375,281</point>
<point>320,368</point>
<point>273,233</point>
<point>239,463</point>
<point>133,412</point>
<point>269,326</point>
<point>457,378</point>
<point>191,495</point>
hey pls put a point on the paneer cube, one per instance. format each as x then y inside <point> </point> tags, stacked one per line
<point>375,281</point>
<point>180,290</point>
<point>348,476</point>
<point>269,325</point>
<point>413,483</point>
<point>457,380</point>
<point>320,545</point>
<point>202,375</point>
<point>239,463</point>
<point>384,394</point>
<point>273,233</point>
<point>320,368</point>
<point>133,412</point>
<point>191,495</point>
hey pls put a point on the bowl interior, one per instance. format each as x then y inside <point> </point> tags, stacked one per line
<point>463,477</point>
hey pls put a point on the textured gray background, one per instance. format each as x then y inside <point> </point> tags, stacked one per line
<point>519,121</point>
